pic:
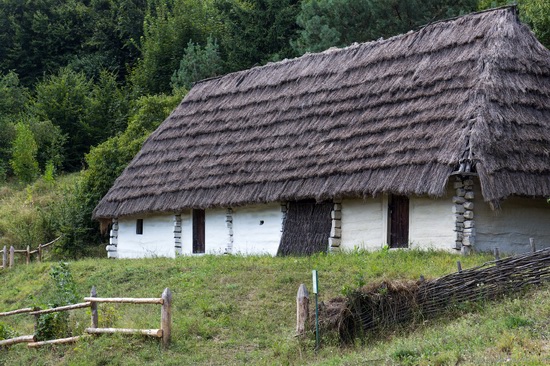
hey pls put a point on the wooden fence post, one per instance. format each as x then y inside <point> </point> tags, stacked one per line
<point>40,252</point>
<point>459,266</point>
<point>5,257</point>
<point>28,254</point>
<point>532,243</point>
<point>12,254</point>
<point>166,316</point>
<point>497,254</point>
<point>93,307</point>
<point>302,310</point>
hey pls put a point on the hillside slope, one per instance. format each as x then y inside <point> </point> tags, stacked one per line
<point>232,310</point>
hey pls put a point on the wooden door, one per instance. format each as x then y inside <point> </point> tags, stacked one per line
<point>198,231</point>
<point>399,221</point>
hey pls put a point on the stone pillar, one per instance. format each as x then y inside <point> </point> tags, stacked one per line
<point>113,240</point>
<point>335,239</point>
<point>229,225</point>
<point>463,209</point>
<point>177,234</point>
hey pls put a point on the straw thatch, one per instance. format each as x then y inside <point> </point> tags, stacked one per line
<point>396,116</point>
<point>306,228</point>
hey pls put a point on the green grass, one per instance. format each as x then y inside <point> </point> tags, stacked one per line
<point>232,310</point>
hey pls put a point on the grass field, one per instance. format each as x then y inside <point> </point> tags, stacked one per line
<point>232,310</point>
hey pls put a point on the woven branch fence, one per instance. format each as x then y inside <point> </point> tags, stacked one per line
<point>384,305</point>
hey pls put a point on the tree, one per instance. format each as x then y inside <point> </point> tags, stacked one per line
<point>13,99</point>
<point>108,108</point>
<point>257,31</point>
<point>168,27</point>
<point>40,36</point>
<point>24,151</point>
<point>64,100</point>
<point>197,63</point>
<point>326,23</point>
<point>86,113</point>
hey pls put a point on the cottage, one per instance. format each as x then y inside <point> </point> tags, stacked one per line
<point>438,138</point>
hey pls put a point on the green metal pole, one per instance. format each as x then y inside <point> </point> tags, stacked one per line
<point>316,292</point>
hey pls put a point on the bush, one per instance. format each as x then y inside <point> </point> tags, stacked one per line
<point>23,162</point>
<point>56,325</point>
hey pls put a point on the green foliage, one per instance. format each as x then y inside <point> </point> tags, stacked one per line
<point>197,63</point>
<point>64,100</point>
<point>537,14</point>
<point>49,173</point>
<point>33,215</point>
<point>6,332</point>
<point>13,96</point>
<point>52,326</point>
<point>64,286</point>
<point>327,23</point>
<point>512,322</point>
<point>40,36</point>
<point>257,31</point>
<point>108,110</point>
<point>24,150</point>
<point>56,325</point>
<point>49,140</point>
<point>168,27</point>
<point>86,113</point>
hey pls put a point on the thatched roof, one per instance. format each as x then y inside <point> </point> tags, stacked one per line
<point>395,115</point>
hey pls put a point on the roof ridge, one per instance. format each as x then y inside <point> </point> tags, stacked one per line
<point>379,41</point>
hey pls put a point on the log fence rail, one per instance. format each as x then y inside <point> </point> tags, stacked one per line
<point>8,254</point>
<point>163,333</point>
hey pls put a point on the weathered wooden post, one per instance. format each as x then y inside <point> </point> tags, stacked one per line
<point>12,255</point>
<point>40,252</point>
<point>532,243</point>
<point>302,310</point>
<point>4,257</point>
<point>28,254</point>
<point>459,266</point>
<point>166,316</point>
<point>93,307</point>
<point>497,254</point>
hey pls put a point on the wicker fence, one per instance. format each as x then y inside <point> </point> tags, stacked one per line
<point>384,305</point>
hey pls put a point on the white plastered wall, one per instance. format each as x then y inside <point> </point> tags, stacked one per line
<point>257,229</point>
<point>510,228</point>
<point>186,232</point>
<point>215,231</point>
<point>431,222</point>
<point>157,239</point>
<point>364,225</point>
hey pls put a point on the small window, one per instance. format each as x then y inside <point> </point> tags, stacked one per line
<point>139,227</point>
